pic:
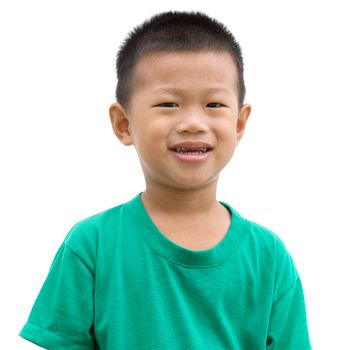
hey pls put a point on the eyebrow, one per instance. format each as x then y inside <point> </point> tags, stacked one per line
<point>175,90</point>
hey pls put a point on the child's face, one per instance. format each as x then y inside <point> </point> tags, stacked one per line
<point>184,118</point>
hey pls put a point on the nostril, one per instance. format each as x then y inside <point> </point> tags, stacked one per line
<point>193,123</point>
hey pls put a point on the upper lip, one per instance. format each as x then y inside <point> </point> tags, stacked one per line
<point>192,145</point>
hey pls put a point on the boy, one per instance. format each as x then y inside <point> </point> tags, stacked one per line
<point>174,268</point>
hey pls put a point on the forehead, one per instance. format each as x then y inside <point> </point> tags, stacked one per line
<point>212,71</point>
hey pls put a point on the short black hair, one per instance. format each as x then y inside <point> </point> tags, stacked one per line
<point>174,31</point>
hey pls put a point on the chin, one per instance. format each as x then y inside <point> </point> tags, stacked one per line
<point>194,183</point>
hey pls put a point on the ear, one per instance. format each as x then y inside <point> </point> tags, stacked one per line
<point>120,123</point>
<point>242,121</point>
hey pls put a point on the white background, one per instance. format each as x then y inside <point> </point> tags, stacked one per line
<point>60,161</point>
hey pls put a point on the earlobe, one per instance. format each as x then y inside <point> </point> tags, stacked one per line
<point>120,123</point>
<point>242,121</point>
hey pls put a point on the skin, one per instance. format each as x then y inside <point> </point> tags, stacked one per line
<point>180,97</point>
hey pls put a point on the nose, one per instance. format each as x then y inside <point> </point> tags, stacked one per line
<point>193,121</point>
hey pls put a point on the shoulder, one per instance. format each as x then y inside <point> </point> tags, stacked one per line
<point>269,240</point>
<point>86,234</point>
<point>285,272</point>
<point>257,234</point>
<point>269,255</point>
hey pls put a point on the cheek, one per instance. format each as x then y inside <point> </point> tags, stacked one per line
<point>227,131</point>
<point>230,148</point>
<point>229,141</point>
<point>150,141</point>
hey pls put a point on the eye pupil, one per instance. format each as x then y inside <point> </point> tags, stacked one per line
<point>168,104</point>
<point>214,105</point>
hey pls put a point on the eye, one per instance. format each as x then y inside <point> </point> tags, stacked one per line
<point>215,105</point>
<point>167,105</point>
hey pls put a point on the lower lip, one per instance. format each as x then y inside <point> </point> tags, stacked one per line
<point>191,158</point>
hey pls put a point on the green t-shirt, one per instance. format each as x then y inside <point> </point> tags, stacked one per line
<point>118,283</point>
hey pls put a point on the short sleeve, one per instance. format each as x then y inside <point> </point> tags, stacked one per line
<point>62,315</point>
<point>288,325</point>
<point>288,328</point>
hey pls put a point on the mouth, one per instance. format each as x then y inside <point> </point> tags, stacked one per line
<point>191,152</point>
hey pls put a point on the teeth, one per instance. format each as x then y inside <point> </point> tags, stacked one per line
<point>187,150</point>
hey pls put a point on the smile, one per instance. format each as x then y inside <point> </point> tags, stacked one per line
<point>191,153</point>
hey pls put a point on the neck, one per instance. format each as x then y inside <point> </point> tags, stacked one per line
<point>180,201</point>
